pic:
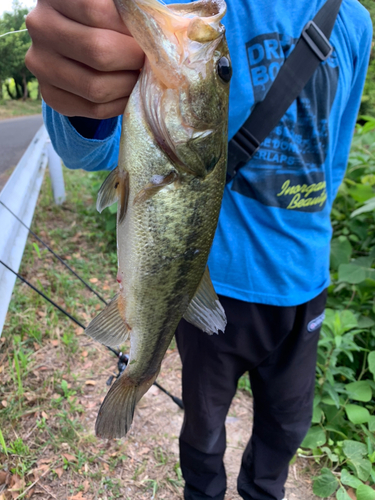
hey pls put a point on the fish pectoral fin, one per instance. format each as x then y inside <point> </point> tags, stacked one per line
<point>114,188</point>
<point>155,185</point>
<point>109,327</point>
<point>117,410</point>
<point>108,193</point>
<point>205,310</point>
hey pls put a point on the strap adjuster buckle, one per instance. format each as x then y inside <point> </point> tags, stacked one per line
<point>317,41</point>
<point>246,142</point>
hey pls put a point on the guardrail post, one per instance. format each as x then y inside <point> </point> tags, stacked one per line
<point>56,174</point>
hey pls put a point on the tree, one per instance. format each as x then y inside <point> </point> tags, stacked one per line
<point>13,49</point>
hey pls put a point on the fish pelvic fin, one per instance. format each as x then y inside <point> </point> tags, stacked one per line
<point>110,327</point>
<point>117,410</point>
<point>114,188</point>
<point>205,311</point>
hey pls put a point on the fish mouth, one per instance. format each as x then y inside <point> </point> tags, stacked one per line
<point>210,12</point>
<point>166,32</point>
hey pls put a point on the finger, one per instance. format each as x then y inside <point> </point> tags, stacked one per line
<point>101,49</point>
<point>94,13</point>
<point>69,104</point>
<point>75,78</point>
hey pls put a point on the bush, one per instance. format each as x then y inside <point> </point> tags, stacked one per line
<point>342,434</point>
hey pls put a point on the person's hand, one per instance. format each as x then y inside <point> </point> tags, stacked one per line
<point>83,56</point>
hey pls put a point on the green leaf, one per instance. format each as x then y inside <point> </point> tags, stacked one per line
<point>327,400</point>
<point>36,248</point>
<point>332,456</point>
<point>361,193</point>
<point>357,414</point>
<point>64,387</point>
<point>349,480</point>
<point>363,261</point>
<point>342,494</point>
<point>341,251</point>
<point>348,320</point>
<point>315,437</point>
<point>2,443</point>
<point>363,468</point>
<point>365,322</point>
<point>359,391</point>
<point>364,492</point>
<point>325,485</point>
<point>353,449</point>
<point>351,273</point>
<point>371,362</point>
<point>368,206</point>
<point>371,424</point>
<point>317,415</point>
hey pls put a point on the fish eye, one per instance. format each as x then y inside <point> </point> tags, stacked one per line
<point>224,69</point>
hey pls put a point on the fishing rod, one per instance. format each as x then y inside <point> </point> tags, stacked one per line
<point>122,358</point>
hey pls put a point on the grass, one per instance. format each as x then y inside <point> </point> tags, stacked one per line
<point>12,108</point>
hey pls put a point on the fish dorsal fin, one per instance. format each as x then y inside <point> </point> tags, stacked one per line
<point>205,310</point>
<point>114,188</point>
<point>109,327</point>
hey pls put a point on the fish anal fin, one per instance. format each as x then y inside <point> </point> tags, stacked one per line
<point>205,311</point>
<point>155,185</point>
<point>117,410</point>
<point>108,193</point>
<point>110,327</point>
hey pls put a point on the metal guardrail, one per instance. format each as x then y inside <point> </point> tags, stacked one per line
<point>20,194</point>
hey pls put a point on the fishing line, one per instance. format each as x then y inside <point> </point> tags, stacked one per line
<point>122,358</point>
<point>55,254</point>
<point>11,32</point>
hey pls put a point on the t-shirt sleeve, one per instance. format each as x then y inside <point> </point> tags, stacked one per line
<point>76,151</point>
<point>349,116</point>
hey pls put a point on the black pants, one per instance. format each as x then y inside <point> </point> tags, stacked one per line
<point>278,346</point>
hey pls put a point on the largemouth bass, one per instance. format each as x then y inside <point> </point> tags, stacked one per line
<point>169,184</point>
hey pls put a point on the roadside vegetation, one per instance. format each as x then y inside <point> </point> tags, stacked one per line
<point>19,90</point>
<point>342,438</point>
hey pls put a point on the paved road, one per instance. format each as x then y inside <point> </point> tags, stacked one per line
<point>15,136</point>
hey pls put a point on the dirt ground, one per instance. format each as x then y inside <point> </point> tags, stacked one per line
<point>145,464</point>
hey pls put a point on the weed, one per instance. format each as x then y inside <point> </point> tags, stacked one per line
<point>153,485</point>
<point>139,470</point>
<point>160,458</point>
<point>244,384</point>
<point>2,444</point>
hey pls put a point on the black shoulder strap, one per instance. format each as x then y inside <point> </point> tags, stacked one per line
<point>312,48</point>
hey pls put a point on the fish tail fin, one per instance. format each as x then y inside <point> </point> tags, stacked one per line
<point>109,327</point>
<point>117,410</point>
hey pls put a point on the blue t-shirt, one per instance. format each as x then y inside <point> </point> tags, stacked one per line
<point>273,238</point>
